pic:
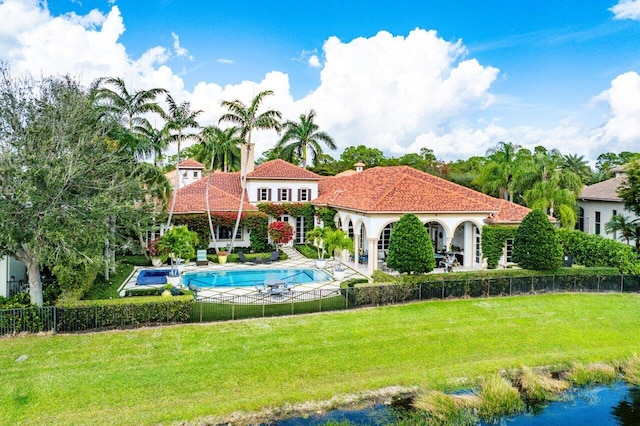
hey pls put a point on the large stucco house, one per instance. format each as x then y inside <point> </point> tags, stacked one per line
<point>368,203</point>
<point>598,203</point>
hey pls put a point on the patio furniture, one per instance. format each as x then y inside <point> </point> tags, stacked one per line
<point>274,256</point>
<point>194,289</point>
<point>260,288</point>
<point>243,259</point>
<point>201,258</point>
<point>289,286</point>
<point>449,261</point>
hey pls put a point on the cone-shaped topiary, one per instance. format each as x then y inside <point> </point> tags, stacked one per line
<point>410,248</point>
<point>536,245</point>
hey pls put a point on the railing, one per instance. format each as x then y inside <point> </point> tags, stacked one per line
<point>102,317</point>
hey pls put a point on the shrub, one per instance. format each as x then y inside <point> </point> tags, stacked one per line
<point>535,244</point>
<point>410,248</point>
<point>597,251</point>
<point>280,232</point>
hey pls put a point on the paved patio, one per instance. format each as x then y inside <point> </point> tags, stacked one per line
<point>295,260</point>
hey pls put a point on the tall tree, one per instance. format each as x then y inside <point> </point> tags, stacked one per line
<point>300,138</point>
<point>371,157</point>
<point>548,196</point>
<point>499,174</point>
<point>247,118</point>
<point>64,180</point>
<point>221,145</point>
<point>128,108</point>
<point>628,228</point>
<point>577,165</point>
<point>180,119</point>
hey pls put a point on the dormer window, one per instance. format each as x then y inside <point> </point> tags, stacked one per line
<point>264,194</point>
<point>304,194</point>
<point>284,194</point>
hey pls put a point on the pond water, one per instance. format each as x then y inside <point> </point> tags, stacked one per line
<point>596,406</point>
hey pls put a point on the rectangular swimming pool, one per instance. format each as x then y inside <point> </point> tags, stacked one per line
<point>248,278</point>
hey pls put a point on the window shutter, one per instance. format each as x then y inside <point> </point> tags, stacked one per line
<point>289,194</point>
<point>258,197</point>
<point>269,194</point>
<point>279,194</point>
<point>299,194</point>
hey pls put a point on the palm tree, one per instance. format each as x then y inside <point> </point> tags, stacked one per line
<point>157,140</point>
<point>127,108</point>
<point>499,174</point>
<point>554,200</point>
<point>224,143</point>
<point>628,228</point>
<point>247,119</point>
<point>301,137</point>
<point>180,118</point>
<point>578,165</point>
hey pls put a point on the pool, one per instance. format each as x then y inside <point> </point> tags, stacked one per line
<point>249,278</point>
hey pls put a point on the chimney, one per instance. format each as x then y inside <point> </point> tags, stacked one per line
<point>243,158</point>
<point>359,166</point>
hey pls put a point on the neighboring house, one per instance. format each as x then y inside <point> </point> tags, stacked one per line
<point>190,172</point>
<point>13,276</point>
<point>598,203</point>
<point>368,203</point>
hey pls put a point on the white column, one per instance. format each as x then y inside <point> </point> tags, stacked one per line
<point>468,244</point>
<point>372,265</point>
<point>356,248</point>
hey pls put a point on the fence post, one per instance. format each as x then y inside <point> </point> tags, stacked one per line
<point>621,283</point>
<point>233,311</point>
<point>55,311</point>
<point>510,288</point>
<point>553,283</point>
<point>598,289</point>
<point>346,299</point>
<point>320,301</point>
<point>442,296</point>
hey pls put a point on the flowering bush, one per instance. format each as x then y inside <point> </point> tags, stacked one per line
<point>152,248</point>
<point>280,232</point>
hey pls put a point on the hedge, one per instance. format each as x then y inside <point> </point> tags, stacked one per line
<point>494,238</point>
<point>597,251</point>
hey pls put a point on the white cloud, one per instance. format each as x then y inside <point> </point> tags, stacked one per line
<point>385,90</point>
<point>622,129</point>
<point>395,93</point>
<point>180,51</point>
<point>314,61</point>
<point>626,9</point>
<point>226,61</point>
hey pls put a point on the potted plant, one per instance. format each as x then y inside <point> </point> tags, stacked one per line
<point>167,290</point>
<point>222,255</point>
<point>315,237</point>
<point>154,253</point>
<point>337,241</point>
<point>177,244</point>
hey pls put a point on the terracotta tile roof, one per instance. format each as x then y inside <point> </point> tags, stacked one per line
<point>280,169</point>
<point>509,212</point>
<point>603,191</point>
<point>404,189</point>
<point>224,195</point>
<point>190,164</point>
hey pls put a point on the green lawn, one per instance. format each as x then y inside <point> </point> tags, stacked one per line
<point>168,374</point>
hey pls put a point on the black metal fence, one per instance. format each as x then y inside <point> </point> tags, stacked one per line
<point>109,316</point>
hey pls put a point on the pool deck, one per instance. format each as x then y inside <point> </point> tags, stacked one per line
<point>295,260</point>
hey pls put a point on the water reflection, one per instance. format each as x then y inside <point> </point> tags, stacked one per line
<point>627,412</point>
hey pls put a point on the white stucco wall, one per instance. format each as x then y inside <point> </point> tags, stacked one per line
<point>606,209</point>
<point>9,267</point>
<point>254,184</point>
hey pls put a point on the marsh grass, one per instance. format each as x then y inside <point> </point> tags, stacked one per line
<point>631,370</point>
<point>591,374</point>
<point>444,410</point>
<point>498,398</point>
<point>539,386</point>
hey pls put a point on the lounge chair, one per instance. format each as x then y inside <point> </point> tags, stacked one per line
<point>289,286</point>
<point>201,258</point>
<point>194,289</point>
<point>260,288</point>
<point>274,256</point>
<point>243,259</point>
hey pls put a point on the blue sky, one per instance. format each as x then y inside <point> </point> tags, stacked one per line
<point>559,74</point>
